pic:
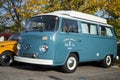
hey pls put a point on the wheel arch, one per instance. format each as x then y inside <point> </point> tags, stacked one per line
<point>112,56</point>
<point>13,54</point>
<point>67,67</point>
<point>107,61</point>
<point>76,53</point>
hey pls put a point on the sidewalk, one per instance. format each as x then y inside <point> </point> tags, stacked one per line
<point>116,65</point>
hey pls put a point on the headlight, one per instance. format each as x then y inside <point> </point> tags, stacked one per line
<point>44,48</point>
<point>18,46</point>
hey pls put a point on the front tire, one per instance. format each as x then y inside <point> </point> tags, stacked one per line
<point>6,58</point>
<point>107,62</point>
<point>71,64</point>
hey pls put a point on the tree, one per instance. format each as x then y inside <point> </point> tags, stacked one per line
<point>63,5</point>
<point>109,9</point>
<point>87,6</point>
<point>112,10</point>
<point>17,10</point>
<point>32,7</point>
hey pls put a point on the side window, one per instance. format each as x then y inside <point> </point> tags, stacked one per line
<point>89,28</point>
<point>93,29</point>
<point>106,31</point>
<point>69,26</point>
<point>109,31</point>
<point>85,28</point>
<point>103,31</point>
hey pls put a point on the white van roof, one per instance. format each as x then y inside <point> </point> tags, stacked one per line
<point>79,15</point>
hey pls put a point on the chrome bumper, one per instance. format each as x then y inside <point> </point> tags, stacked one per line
<point>33,61</point>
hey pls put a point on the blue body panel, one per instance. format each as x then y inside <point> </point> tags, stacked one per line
<point>35,40</point>
<point>95,48</point>
<point>61,44</point>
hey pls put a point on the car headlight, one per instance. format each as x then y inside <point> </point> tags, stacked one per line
<point>44,48</point>
<point>18,46</point>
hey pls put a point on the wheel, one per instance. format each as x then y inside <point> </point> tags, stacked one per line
<point>6,58</point>
<point>107,62</point>
<point>71,64</point>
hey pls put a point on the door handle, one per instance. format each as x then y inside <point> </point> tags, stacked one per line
<point>79,40</point>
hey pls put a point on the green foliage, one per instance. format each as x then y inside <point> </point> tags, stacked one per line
<point>17,10</point>
<point>54,5</point>
<point>32,7</point>
<point>111,8</point>
<point>2,28</point>
<point>17,13</point>
<point>116,24</point>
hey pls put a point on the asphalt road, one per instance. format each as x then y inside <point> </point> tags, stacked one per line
<point>85,71</point>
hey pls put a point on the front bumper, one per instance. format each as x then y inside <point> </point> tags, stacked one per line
<point>33,61</point>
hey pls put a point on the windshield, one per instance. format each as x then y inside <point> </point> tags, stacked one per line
<point>14,37</point>
<point>43,23</point>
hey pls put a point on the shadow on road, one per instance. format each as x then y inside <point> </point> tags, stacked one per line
<point>94,63</point>
<point>42,68</point>
<point>32,67</point>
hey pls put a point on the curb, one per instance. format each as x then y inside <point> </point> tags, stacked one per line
<point>116,66</point>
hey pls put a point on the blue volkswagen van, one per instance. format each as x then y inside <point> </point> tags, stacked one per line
<point>66,38</point>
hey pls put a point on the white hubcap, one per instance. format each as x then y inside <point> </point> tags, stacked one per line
<point>108,60</point>
<point>71,63</point>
